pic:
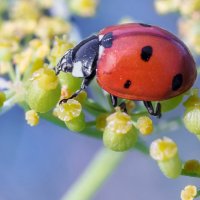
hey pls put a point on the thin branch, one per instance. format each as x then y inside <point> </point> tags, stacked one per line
<point>104,163</point>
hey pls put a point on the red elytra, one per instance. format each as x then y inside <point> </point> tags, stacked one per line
<point>144,63</point>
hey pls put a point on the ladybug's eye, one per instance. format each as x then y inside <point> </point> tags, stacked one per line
<point>107,40</point>
<point>177,82</point>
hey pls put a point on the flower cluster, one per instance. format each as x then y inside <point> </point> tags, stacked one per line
<point>189,29</point>
<point>189,21</point>
<point>32,40</point>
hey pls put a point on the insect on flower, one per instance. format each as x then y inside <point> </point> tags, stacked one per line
<point>133,61</point>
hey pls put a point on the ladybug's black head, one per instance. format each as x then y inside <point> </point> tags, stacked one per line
<point>81,60</point>
<point>65,64</point>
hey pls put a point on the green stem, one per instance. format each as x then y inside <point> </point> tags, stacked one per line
<point>100,96</point>
<point>94,176</point>
<point>93,107</point>
<point>142,147</point>
<point>135,116</point>
<point>8,104</point>
<point>11,74</point>
<point>91,123</point>
<point>91,131</point>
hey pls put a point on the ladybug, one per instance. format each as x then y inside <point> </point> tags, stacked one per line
<point>133,61</point>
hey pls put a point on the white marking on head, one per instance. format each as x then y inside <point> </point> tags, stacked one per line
<point>77,69</point>
<point>100,37</point>
<point>101,50</point>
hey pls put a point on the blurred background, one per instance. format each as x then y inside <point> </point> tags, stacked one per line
<point>41,163</point>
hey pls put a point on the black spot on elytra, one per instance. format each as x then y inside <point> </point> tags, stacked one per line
<point>107,40</point>
<point>145,25</point>
<point>127,84</point>
<point>146,53</point>
<point>177,82</point>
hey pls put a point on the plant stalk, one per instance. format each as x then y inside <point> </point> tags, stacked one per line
<point>94,176</point>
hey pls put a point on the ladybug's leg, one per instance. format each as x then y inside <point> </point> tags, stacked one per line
<point>150,109</point>
<point>85,83</point>
<point>113,100</point>
<point>158,110</point>
<point>121,105</point>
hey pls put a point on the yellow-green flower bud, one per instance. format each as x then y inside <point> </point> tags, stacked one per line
<point>192,166</point>
<point>82,96</point>
<point>165,152</point>
<point>191,117</point>
<point>189,192</point>
<point>101,121</point>
<point>70,82</point>
<point>191,120</point>
<point>48,27</point>
<point>165,6</point>
<point>119,122</point>
<point>43,90</point>
<point>77,124</point>
<point>189,7</point>
<point>85,8</point>
<point>32,118</point>
<point>69,110</point>
<point>60,46</point>
<point>119,134</point>
<point>25,10</point>
<point>71,113</point>
<point>145,125</point>
<point>2,98</point>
